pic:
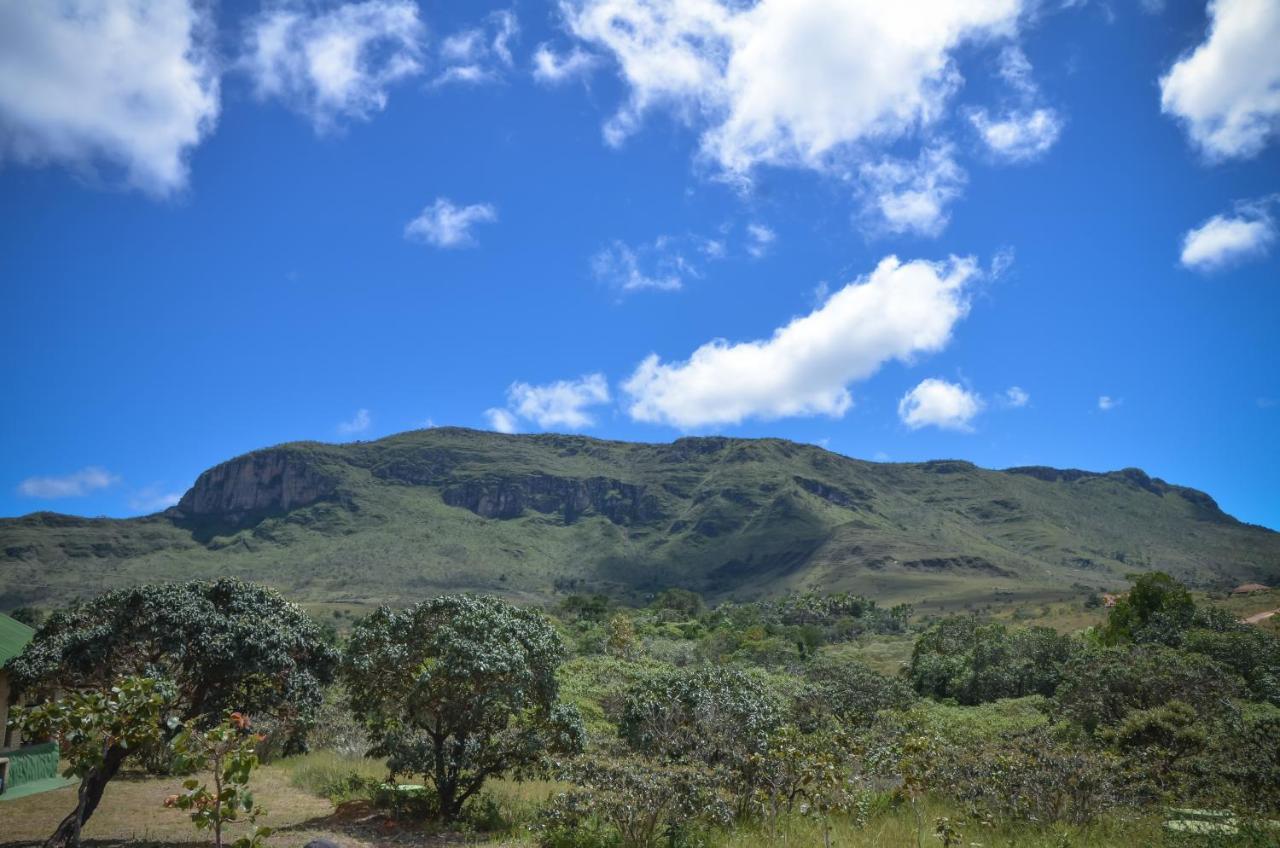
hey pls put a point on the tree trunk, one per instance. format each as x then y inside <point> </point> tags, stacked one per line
<point>91,788</point>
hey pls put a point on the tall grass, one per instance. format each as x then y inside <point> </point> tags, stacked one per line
<point>328,774</point>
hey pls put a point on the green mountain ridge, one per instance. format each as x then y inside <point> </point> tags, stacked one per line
<point>529,516</point>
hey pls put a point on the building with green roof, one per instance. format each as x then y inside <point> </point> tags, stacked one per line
<point>14,636</point>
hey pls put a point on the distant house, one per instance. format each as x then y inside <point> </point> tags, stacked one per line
<point>1249,589</point>
<point>14,636</point>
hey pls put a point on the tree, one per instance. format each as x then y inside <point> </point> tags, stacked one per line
<point>458,689</point>
<point>621,641</point>
<point>1156,601</point>
<point>95,731</point>
<point>224,645</point>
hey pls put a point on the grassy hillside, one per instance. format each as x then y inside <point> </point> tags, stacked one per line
<point>529,516</point>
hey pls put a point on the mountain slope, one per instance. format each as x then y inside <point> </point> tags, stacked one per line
<point>452,509</point>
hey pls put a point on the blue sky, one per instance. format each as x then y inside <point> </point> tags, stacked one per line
<point>237,225</point>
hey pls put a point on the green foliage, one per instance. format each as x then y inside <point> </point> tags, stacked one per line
<point>621,641</point>
<point>96,731</point>
<point>133,714</point>
<point>1102,685</point>
<point>630,803</point>
<point>458,689</point>
<point>972,662</point>
<point>224,645</point>
<point>226,752</point>
<point>848,691</point>
<point>30,616</point>
<point>1156,601</point>
<point>684,602</point>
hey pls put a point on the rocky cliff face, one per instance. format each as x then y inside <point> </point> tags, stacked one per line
<point>262,483</point>
<point>509,497</point>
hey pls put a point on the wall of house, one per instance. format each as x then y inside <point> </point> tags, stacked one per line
<point>5,737</point>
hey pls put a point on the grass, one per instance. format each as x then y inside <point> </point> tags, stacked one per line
<point>291,790</point>
<point>896,828</point>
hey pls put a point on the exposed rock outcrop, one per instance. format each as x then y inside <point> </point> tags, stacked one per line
<point>510,497</point>
<point>262,483</point>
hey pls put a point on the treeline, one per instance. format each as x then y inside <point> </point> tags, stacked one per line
<point>677,721</point>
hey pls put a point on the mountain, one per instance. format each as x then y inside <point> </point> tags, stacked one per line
<point>532,515</point>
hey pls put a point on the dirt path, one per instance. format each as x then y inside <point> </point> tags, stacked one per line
<point>1260,616</point>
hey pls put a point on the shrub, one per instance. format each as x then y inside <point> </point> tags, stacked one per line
<point>848,691</point>
<point>972,662</point>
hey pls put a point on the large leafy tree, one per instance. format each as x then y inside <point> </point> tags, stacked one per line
<point>222,645</point>
<point>458,689</point>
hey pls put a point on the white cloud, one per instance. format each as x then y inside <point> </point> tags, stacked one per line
<point>153,498</point>
<point>1026,130</point>
<point>442,224</point>
<point>1226,239</point>
<point>335,64</point>
<point>898,311</point>
<point>502,420</point>
<point>912,197</point>
<point>74,485</point>
<point>563,404</point>
<point>787,82</point>
<point>1018,135</point>
<point>937,403</point>
<point>630,269</point>
<point>759,237</point>
<point>1015,397</point>
<point>1226,92</point>
<point>480,54</point>
<point>129,83</point>
<point>358,423</point>
<point>554,68</point>
<point>1106,402</point>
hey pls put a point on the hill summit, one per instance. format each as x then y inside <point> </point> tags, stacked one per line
<point>529,516</point>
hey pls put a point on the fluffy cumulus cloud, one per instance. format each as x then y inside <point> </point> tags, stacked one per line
<point>1107,403</point>
<point>564,404</point>
<point>74,485</point>
<point>912,197</point>
<point>337,63</point>
<point>1226,91</point>
<point>898,311</point>
<point>444,224</point>
<point>480,54</point>
<point>131,84</point>
<point>1224,240</point>
<point>787,81</point>
<point>937,403</point>
<point>816,84</point>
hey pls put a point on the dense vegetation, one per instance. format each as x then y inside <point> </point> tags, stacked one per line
<point>683,724</point>
<point>534,517</point>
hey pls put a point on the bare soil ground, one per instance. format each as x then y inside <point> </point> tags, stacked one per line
<point>132,813</point>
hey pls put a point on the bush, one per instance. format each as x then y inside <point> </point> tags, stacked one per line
<point>848,691</point>
<point>971,662</point>
<point>631,803</point>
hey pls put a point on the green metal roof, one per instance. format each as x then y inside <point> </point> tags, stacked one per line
<point>14,636</point>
